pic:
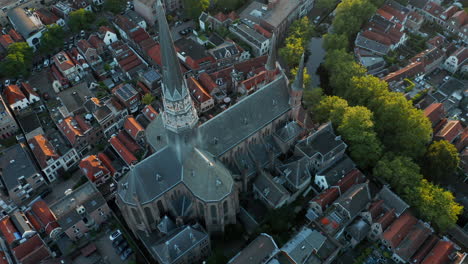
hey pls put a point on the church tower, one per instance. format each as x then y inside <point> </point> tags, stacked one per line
<point>297,88</point>
<point>179,113</point>
<point>270,66</point>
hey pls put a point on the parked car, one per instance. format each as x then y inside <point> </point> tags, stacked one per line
<point>446,78</point>
<point>46,63</point>
<point>115,235</point>
<point>82,33</point>
<point>117,241</point>
<point>126,254</point>
<point>122,247</point>
<point>7,82</point>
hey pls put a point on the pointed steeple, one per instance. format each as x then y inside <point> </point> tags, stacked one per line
<point>179,113</point>
<point>271,62</point>
<point>174,85</point>
<point>298,84</point>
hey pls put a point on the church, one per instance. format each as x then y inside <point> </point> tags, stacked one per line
<point>198,169</point>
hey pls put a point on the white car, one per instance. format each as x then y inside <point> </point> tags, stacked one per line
<point>446,78</point>
<point>7,82</point>
<point>46,63</point>
<point>115,235</point>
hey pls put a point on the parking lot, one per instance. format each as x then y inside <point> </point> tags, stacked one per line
<point>105,248</point>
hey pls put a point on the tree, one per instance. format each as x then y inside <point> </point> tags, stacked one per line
<point>195,7</point>
<point>335,42</point>
<point>363,89</point>
<point>307,77</point>
<point>402,128</point>
<point>331,108</point>
<point>436,205</point>
<point>342,68</point>
<point>400,172</point>
<point>312,97</point>
<point>147,99</point>
<point>327,4</point>
<point>80,19</point>
<point>357,129</point>
<point>18,61</point>
<point>115,6</point>
<point>441,160</point>
<point>52,38</point>
<point>302,29</point>
<point>299,33</point>
<point>350,15</point>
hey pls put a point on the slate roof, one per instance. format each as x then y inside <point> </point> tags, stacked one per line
<point>337,170</point>
<point>273,191</point>
<point>65,209</point>
<point>391,200</point>
<point>370,44</point>
<point>166,225</point>
<point>355,199</point>
<point>204,176</point>
<point>289,131</point>
<point>225,52</point>
<point>245,118</point>
<point>358,229</point>
<point>22,23</point>
<point>321,142</point>
<point>304,244</point>
<point>257,251</point>
<point>179,243</point>
<point>296,172</point>
<point>16,162</point>
<point>74,98</point>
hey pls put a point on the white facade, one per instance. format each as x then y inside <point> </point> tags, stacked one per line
<point>19,105</point>
<point>64,162</point>
<point>109,38</point>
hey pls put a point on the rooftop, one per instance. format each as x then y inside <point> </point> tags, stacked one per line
<point>256,251</point>
<point>15,162</point>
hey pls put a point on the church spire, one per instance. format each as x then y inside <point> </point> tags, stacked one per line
<point>174,87</point>
<point>179,113</point>
<point>271,62</point>
<point>298,83</point>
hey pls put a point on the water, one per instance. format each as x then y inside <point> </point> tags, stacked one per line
<point>317,55</point>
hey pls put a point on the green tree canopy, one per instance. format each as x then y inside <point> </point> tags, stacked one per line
<point>299,34</point>
<point>400,172</point>
<point>333,41</point>
<point>147,99</point>
<point>18,61</point>
<point>350,15</point>
<point>436,205</point>
<point>342,68</point>
<point>357,129</point>
<point>195,7</point>
<point>52,38</point>
<point>363,89</point>
<point>312,97</point>
<point>115,6</point>
<point>441,160</point>
<point>401,127</point>
<point>80,19</point>
<point>331,108</point>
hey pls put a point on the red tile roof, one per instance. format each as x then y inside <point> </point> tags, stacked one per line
<point>400,15</point>
<point>327,197</point>
<point>72,129</point>
<point>155,54</point>
<point>461,17</point>
<point>84,45</point>
<point>254,81</point>
<point>95,42</point>
<point>197,91</point>
<point>353,177</point>
<point>6,41</point>
<point>440,253</point>
<point>415,238</point>
<point>32,251</point>
<point>450,131</point>
<point>262,31</point>
<point>423,251</point>
<point>43,150</point>
<point>207,83</point>
<point>378,37</point>
<point>410,70</point>
<point>434,112</point>
<point>15,35</point>
<point>375,209</point>
<point>128,142</point>
<point>150,113</point>
<point>3,259</point>
<point>132,127</point>
<point>13,94</point>
<point>433,9</point>
<point>436,41</point>
<point>93,168</point>
<point>27,89</point>
<point>461,54</point>
<point>387,218</point>
<point>64,63</point>
<point>415,16</point>
<point>107,162</point>
<point>123,152</point>
<point>8,230</point>
<point>104,29</point>
<point>139,35</point>
<point>448,13</point>
<point>399,229</point>
<point>44,215</point>
<point>34,221</point>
